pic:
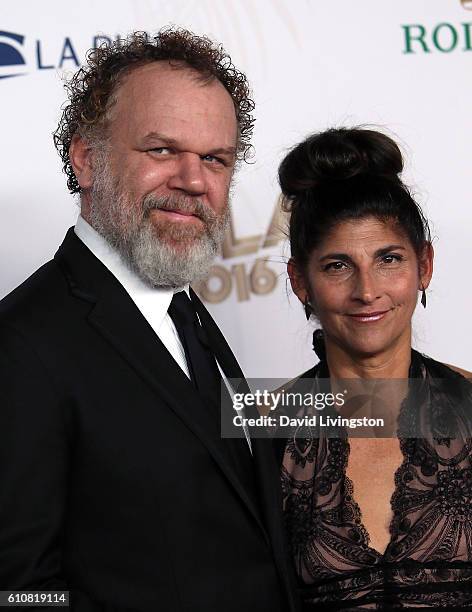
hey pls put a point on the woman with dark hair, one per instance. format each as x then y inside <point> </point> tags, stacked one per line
<point>373,522</point>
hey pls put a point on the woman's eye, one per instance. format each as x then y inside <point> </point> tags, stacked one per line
<point>391,258</point>
<point>335,266</point>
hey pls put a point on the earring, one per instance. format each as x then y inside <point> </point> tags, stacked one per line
<point>308,308</point>
<point>423,297</point>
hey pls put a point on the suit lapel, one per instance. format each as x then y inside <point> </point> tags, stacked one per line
<point>219,346</point>
<point>265,463</point>
<point>115,316</point>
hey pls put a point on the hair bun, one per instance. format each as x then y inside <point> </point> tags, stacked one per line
<point>336,155</point>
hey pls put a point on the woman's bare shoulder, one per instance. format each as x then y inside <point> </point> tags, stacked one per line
<point>464,373</point>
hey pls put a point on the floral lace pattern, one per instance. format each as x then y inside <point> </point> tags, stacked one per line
<point>428,561</point>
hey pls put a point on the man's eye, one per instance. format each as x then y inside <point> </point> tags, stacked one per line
<point>161,150</point>
<point>213,159</point>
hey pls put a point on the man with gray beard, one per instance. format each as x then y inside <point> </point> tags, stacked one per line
<point>116,484</point>
<point>143,246</point>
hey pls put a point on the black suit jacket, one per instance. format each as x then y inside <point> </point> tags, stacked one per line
<point>114,481</point>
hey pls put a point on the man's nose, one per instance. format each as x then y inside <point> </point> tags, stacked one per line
<point>189,175</point>
<point>366,287</point>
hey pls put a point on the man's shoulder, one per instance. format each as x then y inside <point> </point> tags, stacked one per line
<point>47,295</point>
<point>39,293</point>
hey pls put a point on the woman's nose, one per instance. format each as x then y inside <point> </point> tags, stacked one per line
<point>366,288</point>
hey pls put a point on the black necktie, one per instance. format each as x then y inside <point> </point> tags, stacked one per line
<point>206,376</point>
<point>200,360</point>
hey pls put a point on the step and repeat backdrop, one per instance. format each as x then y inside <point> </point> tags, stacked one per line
<point>403,66</point>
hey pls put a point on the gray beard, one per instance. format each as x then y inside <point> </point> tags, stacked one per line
<point>163,255</point>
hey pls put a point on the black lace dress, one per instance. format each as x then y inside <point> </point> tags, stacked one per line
<point>428,561</point>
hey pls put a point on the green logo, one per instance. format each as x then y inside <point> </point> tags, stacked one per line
<point>444,37</point>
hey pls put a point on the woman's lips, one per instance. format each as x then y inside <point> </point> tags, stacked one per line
<point>368,317</point>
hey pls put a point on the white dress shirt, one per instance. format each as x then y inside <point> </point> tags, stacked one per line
<point>153,303</point>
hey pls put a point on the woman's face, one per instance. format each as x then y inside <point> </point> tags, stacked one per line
<point>363,281</point>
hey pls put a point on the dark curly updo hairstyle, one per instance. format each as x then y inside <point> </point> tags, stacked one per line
<point>344,174</point>
<point>92,89</point>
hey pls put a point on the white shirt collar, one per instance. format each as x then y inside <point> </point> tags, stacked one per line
<point>152,302</point>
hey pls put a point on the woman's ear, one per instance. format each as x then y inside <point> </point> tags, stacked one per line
<point>297,281</point>
<point>426,265</point>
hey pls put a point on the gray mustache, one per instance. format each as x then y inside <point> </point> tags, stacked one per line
<point>194,207</point>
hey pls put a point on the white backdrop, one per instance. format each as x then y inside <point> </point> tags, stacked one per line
<point>402,65</point>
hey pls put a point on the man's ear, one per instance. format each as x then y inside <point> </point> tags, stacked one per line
<point>426,265</point>
<point>80,155</point>
<point>297,280</point>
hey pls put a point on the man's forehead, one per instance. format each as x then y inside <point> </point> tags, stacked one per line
<point>160,73</point>
<point>160,97</point>
<point>167,82</point>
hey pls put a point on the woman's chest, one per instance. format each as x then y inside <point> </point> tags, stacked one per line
<point>371,468</point>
